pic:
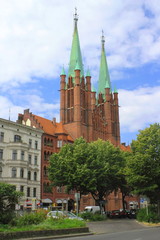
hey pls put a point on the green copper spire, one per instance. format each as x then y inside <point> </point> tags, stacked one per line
<point>77,67</point>
<point>104,79</point>
<point>88,73</point>
<point>115,90</point>
<point>107,85</point>
<point>75,50</point>
<point>63,71</point>
<point>93,89</point>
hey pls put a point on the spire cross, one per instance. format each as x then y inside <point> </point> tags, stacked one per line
<point>103,39</point>
<point>75,15</point>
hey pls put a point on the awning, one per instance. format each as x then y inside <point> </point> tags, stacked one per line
<point>46,200</point>
<point>61,201</point>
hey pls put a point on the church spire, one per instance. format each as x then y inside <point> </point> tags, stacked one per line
<point>104,78</point>
<point>75,56</point>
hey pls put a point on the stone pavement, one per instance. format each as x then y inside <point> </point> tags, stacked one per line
<point>114,225</point>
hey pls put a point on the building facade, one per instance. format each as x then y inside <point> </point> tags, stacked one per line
<point>20,160</point>
<point>83,112</point>
<point>53,138</point>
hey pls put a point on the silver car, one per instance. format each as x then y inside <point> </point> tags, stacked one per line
<point>63,214</point>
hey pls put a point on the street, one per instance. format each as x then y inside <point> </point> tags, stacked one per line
<point>140,234</point>
<point>120,229</point>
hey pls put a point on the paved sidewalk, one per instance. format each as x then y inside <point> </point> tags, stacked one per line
<point>114,225</point>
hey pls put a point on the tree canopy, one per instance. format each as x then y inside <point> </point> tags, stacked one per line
<point>87,167</point>
<point>143,167</point>
<point>8,198</point>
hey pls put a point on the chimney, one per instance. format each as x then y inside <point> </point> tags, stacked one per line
<point>54,121</point>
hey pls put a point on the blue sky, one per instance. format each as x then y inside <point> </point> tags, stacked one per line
<point>35,42</point>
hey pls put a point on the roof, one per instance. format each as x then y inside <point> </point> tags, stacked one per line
<point>52,128</point>
<point>104,78</point>
<point>63,71</point>
<point>48,126</point>
<point>125,148</point>
<point>88,73</point>
<point>75,56</point>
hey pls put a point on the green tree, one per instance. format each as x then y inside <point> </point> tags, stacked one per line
<point>143,167</point>
<point>123,183</point>
<point>87,168</point>
<point>8,198</point>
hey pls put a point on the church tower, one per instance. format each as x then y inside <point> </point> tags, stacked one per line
<point>82,111</point>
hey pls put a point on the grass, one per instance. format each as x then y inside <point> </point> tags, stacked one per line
<point>48,224</point>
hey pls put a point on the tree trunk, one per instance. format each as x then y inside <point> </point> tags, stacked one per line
<point>123,201</point>
<point>158,204</point>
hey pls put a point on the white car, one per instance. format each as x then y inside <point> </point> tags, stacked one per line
<point>63,214</point>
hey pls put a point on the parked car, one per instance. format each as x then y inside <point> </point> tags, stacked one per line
<point>131,213</point>
<point>92,209</point>
<point>122,213</point>
<point>114,214</point>
<point>63,214</point>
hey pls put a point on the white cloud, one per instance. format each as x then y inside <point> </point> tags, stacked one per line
<point>35,103</point>
<point>35,41</point>
<point>36,35</point>
<point>139,108</point>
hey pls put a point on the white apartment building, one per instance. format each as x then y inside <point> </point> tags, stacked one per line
<point>20,159</point>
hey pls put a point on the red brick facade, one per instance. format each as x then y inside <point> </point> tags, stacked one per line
<point>82,115</point>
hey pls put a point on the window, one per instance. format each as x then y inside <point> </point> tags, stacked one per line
<point>17,138</point>
<point>21,173</point>
<point>30,159</point>
<point>45,156</point>
<point>36,144</point>
<point>14,155</point>
<point>1,136</point>
<point>47,188</point>
<point>29,175</point>
<point>30,143</point>
<point>45,171</point>
<point>22,155</point>
<point>0,171</point>
<point>35,176</point>
<point>14,172</point>
<point>21,188</point>
<point>34,192</point>
<point>28,192</point>
<point>1,154</point>
<point>59,143</point>
<point>59,189</point>
<point>35,160</point>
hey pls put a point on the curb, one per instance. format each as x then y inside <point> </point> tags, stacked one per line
<point>45,234</point>
<point>59,236</point>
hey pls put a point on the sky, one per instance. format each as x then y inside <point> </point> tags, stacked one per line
<point>35,43</point>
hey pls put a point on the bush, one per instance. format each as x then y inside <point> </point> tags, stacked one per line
<point>30,218</point>
<point>7,217</point>
<point>151,217</point>
<point>8,198</point>
<point>93,217</point>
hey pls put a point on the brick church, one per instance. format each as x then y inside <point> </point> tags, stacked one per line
<point>83,112</point>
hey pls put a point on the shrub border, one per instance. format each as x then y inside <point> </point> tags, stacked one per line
<point>41,233</point>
